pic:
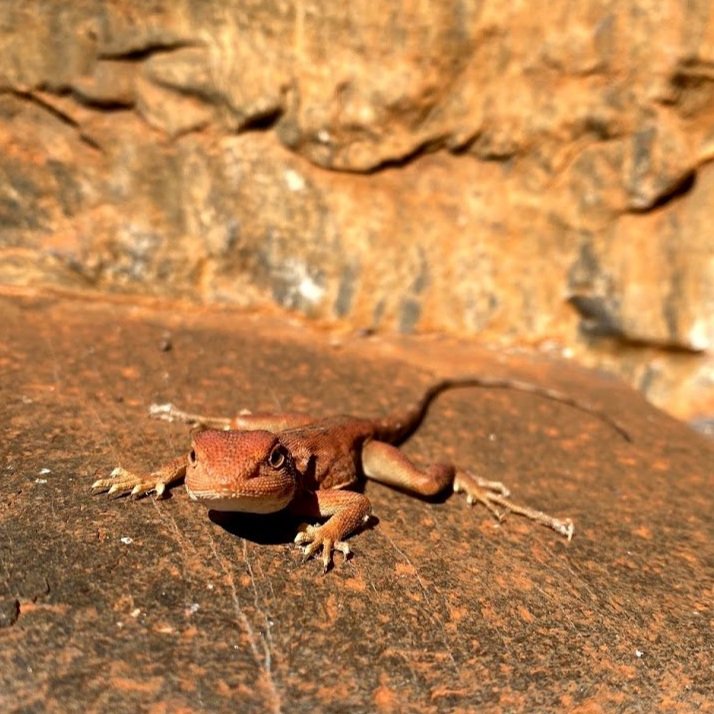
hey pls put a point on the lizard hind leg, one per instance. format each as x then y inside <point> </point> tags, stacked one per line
<point>169,412</point>
<point>387,464</point>
<point>245,421</point>
<point>495,496</point>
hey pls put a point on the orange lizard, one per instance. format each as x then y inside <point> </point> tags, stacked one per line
<point>263,463</point>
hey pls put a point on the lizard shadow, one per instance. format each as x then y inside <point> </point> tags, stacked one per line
<point>261,528</point>
<point>268,529</point>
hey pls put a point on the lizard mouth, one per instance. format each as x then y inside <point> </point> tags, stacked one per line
<point>231,501</point>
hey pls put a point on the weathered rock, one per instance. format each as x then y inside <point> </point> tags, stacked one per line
<point>467,167</point>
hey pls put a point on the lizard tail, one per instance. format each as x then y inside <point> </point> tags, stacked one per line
<point>400,425</point>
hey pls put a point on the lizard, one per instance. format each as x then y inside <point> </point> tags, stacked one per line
<point>267,462</point>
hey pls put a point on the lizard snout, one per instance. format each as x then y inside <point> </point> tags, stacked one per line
<point>247,471</point>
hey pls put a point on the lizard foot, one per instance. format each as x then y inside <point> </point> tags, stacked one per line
<point>168,412</point>
<point>494,496</point>
<point>122,482</point>
<point>314,537</point>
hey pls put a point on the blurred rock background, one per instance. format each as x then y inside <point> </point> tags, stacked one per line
<point>519,174</point>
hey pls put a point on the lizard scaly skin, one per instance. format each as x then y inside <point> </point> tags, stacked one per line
<point>263,463</point>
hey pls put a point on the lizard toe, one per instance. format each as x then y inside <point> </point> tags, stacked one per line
<point>313,538</point>
<point>305,533</point>
<point>494,496</point>
<point>467,481</point>
<point>122,482</point>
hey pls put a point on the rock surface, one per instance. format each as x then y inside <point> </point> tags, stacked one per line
<point>467,167</point>
<point>118,606</point>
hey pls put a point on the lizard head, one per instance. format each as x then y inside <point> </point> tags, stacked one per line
<point>248,471</point>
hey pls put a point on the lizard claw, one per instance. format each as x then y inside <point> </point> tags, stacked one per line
<point>493,494</point>
<point>312,538</point>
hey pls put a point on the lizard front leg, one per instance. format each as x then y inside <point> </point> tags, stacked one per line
<point>121,481</point>
<point>387,464</point>
<point>345,510</point>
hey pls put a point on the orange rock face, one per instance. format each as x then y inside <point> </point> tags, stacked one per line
<point>475,168</point>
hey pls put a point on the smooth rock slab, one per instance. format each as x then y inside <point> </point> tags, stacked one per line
<point>112,605</point>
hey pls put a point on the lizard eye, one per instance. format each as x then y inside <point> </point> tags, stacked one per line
<point>277,456</point>
<point>192,457</point>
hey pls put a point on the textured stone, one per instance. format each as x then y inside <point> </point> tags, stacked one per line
<point>474,168</point>
<point>120,606</point>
